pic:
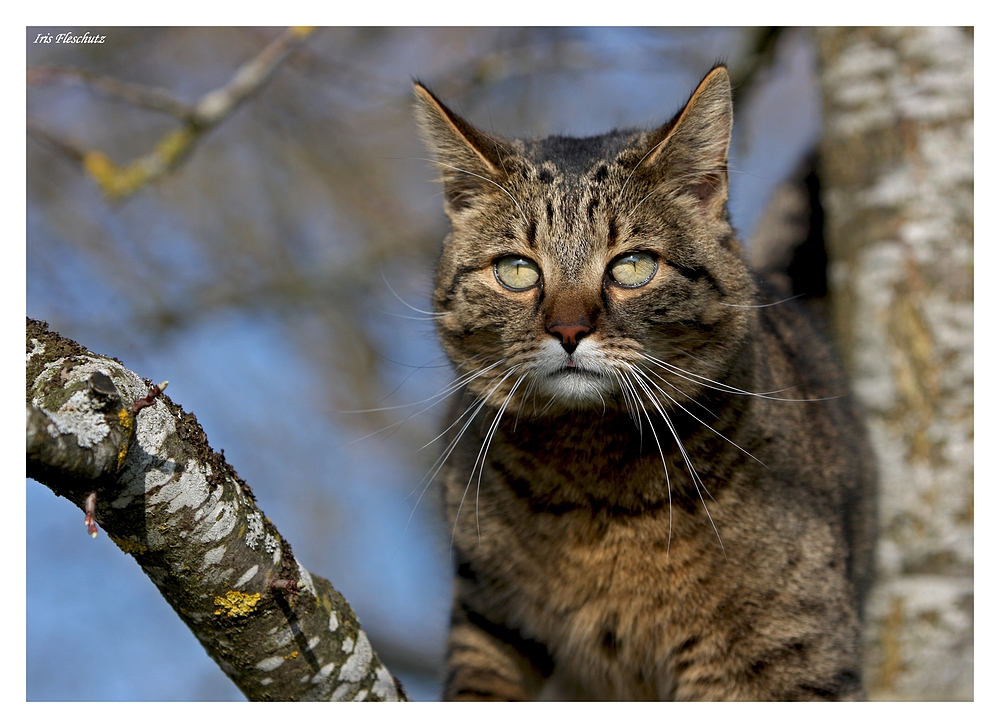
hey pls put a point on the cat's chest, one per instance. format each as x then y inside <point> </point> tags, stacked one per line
<point>611,609</point>
<point>584,546</point>
<point>572,520</point>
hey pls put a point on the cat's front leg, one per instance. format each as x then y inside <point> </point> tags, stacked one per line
<point>488,661</point>
<point>810,667</point>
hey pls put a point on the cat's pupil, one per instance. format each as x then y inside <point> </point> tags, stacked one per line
<point>517,273</point>
<point>633,270</point>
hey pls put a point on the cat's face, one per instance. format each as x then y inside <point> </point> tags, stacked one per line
<point>590,273</point>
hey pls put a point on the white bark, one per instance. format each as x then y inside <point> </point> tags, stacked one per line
<point>897,175</point>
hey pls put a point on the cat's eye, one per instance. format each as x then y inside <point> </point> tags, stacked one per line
<point>633,269</point>
<point>517,273</point>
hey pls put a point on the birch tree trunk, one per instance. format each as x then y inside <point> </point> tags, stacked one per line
<point>897,175</point>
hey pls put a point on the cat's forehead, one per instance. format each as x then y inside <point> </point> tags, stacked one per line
<point>577,158</point>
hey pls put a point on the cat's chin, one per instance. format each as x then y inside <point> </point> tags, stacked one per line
<point>576,388</point>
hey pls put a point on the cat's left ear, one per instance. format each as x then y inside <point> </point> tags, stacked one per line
<point>469,159</point>
<point>691,151</point>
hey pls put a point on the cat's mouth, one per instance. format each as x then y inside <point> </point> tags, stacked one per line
<point>571,368</point>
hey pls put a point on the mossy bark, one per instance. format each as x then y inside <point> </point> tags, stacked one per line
<point>173,504</point>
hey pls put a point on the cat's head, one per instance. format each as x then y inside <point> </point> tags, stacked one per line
<point>584,273</point>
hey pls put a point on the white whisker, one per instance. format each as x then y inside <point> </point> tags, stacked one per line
<point>431,314</point>
<point>728,389</point>
<point>637,165</point>
<point>481,457</point>
<point>434,400</point>
<point>663,459</point>
<point>699,486</point>
<point>426,481</point>
<point>660,389</point>
<point>485,179</point>
<point>454,442</point>
<point>763,305</point>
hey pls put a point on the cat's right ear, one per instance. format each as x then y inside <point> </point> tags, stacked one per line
<point>691,151</point>
<point>468,158</point>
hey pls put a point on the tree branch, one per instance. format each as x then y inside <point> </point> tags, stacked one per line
<point>143,97</point>
<point>190,522</point>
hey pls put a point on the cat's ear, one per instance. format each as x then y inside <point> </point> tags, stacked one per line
<point>691,151</point>
<point>469,159</point>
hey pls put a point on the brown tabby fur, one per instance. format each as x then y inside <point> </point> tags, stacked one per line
<point>697,526</point>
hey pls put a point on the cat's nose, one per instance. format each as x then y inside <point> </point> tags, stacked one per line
<point>569,335</point>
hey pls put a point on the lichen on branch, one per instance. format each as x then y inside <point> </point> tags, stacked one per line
<point>150,479</point>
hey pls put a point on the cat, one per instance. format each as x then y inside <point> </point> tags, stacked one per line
<point>657,486</point>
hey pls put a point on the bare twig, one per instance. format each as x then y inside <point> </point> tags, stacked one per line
<point>214,106</point>
<point>118,182</point>
<point>144,97</point>
<point>64,146</point>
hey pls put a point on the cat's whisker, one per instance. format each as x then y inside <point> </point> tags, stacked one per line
<point>663,459</point>
<point>481,458</point>
<point>637,165</point>
<point>548,405</point>
<point>408,318</point>
<point>455,442</point>
<point>432,314</point>
<point>434,401</point>
<point>691,414</point>
<point>477,404</point>
<point>627,396</point>
<point>682,394</point>
<point>763,305</point>
<point>639,203</point>
<point>700,174</point>
<point>454,386</point>
<point>479,400</point>
<point>426,481</point>
<point>762,177</point>
<point>628,408</point>
<point>699,486</point>
<point>682,372</point>
<point>649,388</point>
<point>496,144</point>
<point>485,179</point>
<point>414,369</point>
<point>523,399</point>
<point>728,389</point>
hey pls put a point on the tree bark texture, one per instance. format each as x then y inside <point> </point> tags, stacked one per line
<point>164,497</point>
<point>897,177</point>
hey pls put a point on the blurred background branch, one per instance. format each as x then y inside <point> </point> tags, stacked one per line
<point>120,181</point>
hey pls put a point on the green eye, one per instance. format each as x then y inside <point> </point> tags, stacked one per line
<point>633,270</point>
<point>517,273</point>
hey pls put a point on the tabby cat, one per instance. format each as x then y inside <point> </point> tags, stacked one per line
<point>657,487</point>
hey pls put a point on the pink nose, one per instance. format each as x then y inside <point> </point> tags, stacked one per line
<point>569,333</point>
